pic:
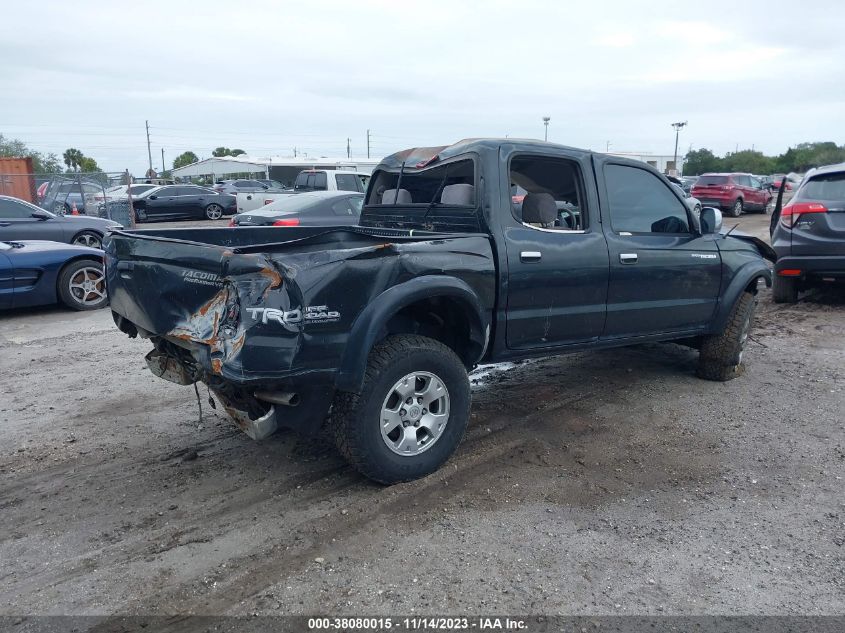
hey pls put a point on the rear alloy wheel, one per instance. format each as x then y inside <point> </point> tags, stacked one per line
<point>410,414</point>
<point>736,209</point>
<point>785,289</point>
<point>60,208</point>
<point>214,212</point>
<point>92,239</point>
<point>82,285</point>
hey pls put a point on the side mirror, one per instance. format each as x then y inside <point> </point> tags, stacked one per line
<point>40,215</point>
<point>153,197</point>
<point>711,220</point>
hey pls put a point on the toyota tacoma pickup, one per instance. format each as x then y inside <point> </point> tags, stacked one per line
<point>373,328</point>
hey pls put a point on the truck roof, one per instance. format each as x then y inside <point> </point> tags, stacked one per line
<point>417,157</point>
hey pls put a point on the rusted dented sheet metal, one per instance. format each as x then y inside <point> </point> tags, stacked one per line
<point>266,313</point>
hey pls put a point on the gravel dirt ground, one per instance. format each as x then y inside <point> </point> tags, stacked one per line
<point>609,482</point>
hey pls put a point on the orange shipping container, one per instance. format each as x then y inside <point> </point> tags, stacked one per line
<point>16,178</point>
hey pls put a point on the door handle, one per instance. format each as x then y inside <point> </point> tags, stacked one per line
<point>5,223</point>
<point>530,256</point>
<point>628,258</point>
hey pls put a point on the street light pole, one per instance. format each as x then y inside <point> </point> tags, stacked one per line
<point>546,120</point>
<point>677,126</point>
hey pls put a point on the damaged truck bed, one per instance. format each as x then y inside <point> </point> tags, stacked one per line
<point>485,250</point>
<point>266,323</point>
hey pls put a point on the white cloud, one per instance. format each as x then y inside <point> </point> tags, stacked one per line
<point>268,76</point>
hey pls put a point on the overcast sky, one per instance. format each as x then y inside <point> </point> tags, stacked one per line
<point>270,76</point>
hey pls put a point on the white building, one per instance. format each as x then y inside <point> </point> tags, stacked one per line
<point>664,163</point>
<point>283,169</point>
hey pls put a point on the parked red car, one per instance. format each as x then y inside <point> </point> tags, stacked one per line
<point>732,193</point>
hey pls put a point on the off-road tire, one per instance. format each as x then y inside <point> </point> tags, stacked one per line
<point>784,289</point>
<point>720,356</point>
<point>355,417</point>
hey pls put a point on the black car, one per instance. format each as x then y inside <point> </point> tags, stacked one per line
<point>306,209</point>
<point>183,202</point>
<point>808,234</point>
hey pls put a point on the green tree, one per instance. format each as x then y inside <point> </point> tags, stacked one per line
<point>219,152</point>
<point>48,164</point>
<point>72,158</point>
<point>41,164</point>
<point>806,155</point>
<point>700,161</point>
<point>183,159</point>
<point>748,161</point>
<point>89,165</point>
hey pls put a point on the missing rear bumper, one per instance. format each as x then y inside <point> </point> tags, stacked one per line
<point>257,429</point>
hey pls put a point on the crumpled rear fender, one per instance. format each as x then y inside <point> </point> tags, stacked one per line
<point>370,324</point>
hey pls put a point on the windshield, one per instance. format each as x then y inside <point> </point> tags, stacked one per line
<point>704,181</point>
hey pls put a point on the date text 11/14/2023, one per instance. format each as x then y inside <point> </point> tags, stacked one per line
<point>418,623</point>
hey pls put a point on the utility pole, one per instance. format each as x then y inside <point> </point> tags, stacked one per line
<point>677,126</point>
<point>149,151</point>
<point>607,147</point>
<point>546,120</point>
<point>294,152</point>
<point>368,143</point>
<point>348,141</point>
<point>163,168</point>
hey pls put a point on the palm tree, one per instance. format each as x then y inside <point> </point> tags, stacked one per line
<point>73,158</point>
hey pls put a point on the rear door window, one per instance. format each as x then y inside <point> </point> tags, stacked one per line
<point>347,182</point>
<point>320,181</point>
<point>642,203</point>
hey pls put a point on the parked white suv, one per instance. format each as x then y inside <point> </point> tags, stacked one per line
<point>308,180</point>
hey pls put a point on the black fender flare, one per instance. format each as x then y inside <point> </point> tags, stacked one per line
<point>748,273</point>
<point>372,319</point>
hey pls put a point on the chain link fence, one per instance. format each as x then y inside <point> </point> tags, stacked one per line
<point>97,194</point>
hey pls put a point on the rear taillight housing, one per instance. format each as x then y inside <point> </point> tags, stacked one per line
<point>792,212</point>
<point>287,222</point>
<point>266,202</point>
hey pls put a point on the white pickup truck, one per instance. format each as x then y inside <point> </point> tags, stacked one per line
<point>307,180</point>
